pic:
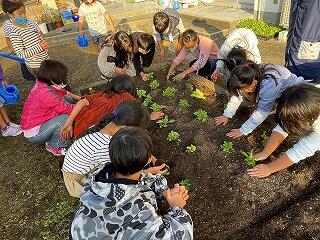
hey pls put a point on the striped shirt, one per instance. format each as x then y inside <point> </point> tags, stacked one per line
<point>87,153</point>
<point>26,44</point>
<point>7,25</point>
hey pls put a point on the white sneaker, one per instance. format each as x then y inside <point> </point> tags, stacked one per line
<point>11,132</point>
<point>11,124</point>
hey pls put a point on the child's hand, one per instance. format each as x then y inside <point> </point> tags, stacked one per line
<point>180,76</point>
<point>221,120</point>
<point>156,115</point>
<point>66,132</point>
<point>235,133</point>
<point>143,76</point>
<point>163,168</point>
<point>260,171</point>
<point>182,191</point>
<point>261,156</point>
<point>120,71</point>
<point>215,74</point>
<point>44,45</point>
<point>5,82</point>
<point>175,199</point>
<point>170,73</point>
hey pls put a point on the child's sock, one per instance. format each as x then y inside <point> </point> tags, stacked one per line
<point>5,128</point>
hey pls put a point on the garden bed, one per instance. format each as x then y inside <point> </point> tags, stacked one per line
<point>225,203</point>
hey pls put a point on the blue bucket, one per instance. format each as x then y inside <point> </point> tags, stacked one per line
<point>10,94</point>
<point>83,41</point>
<point>67,14</point>
<point>75,18</point>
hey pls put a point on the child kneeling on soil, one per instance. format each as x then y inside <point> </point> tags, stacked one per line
<point>202,48</point>
<point>47,107</point>
<point>143,50</point>
<point>92,108</point>
<point>7,127</point>
<point>115,57</point>
<point>241,38</point>
<point>120,202</point>
<point>261,85</point>
<point>298,113</point>
<point>168,26</point>
<point>90,151</point>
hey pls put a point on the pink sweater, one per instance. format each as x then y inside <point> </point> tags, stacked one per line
<point>43,103</point>
<point>206,49</point>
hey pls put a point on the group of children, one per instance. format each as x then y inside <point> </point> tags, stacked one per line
<point>110,165</point>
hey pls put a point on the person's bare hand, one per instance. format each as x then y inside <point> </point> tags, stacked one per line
<point>221,120</point>
<point>119,70</point>
<point>156,115</point>
<point>234,133</point>
<point>261,156</point>
<point>66,132</point>
<point>260,171</point>
<point>175,199</point>
<point>162,169</point>
<point>215,74</point>
<point>162,54</point>
<point>144,76</point>
<point>44,45</point>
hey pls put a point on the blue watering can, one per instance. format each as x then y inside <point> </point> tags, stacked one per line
<point>10,94</point>
<point>12,57</point>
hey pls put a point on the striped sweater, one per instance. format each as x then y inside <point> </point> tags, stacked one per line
<point>26,44</point>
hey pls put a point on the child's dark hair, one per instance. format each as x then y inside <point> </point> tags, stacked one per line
<point>52,71</point>
<point>9,6</point>
<point>127,113</point>
<point>120,84</point>
<point>119,40</point>
<point>145,41</point>
<point>129,150</point>
<point>237,56</point>
<point>188,35</point>
<point>243,75</point>
<point>298,108</point>
<point>161,21</point>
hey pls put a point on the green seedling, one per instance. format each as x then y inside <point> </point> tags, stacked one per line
<point>186,183</point>
<point>167,173</point>
<point>150,76</point>
<point>156,107</point>
<point>154,84</point>
<point>163,67</point>
<point>169,92</point>
<point>174,72</point>
<point>202,115</point>
<point>163,123</point>
<point>91,90</point>
<point>147,101</point>
<point>173,136</point>
<point>227,147</point>
<point>197,94</point>
<point>265,137</point>
<point>178,79</point>
<point>183,103</point>
<point>251,162</point>
<point>190,88</point>
<point>141,93</point>
<point>191,148</point>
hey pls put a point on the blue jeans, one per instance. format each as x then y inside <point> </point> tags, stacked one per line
<point>207,69</point>
<point>49,132</point>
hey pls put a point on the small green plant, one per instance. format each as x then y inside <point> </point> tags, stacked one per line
<point>150,76</point>
<point>156,107</point>
<point>163,123</point>
<point>154,84</point>
<point>183,103</point>
<point>251,162</point>
<point>173,136</point>
<point>191,148</point>
<point>227,147</point>
<point>260,28</point>
<point>169,92</point>
<point>265,137</point>
<point>148,100</point>
<point>190,88</point>
<point>174,72</point>
<point>91,90</point>
<point>163,67</point>
<point>178,79</point>
<point>201,115</point>
<point>186,183</point>
<point>198,94</point>
<point>141,93</point>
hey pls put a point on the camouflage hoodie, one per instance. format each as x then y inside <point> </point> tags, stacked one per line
<point>112,208</point>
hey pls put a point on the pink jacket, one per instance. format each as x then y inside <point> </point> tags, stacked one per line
<point>206,49</point>
<point>43,103</point>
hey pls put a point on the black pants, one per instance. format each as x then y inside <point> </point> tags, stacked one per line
<point>26,73</point>
<point>143,60</point>
<point>207,69</point>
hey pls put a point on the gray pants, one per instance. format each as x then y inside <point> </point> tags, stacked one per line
<point>50,132</point>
